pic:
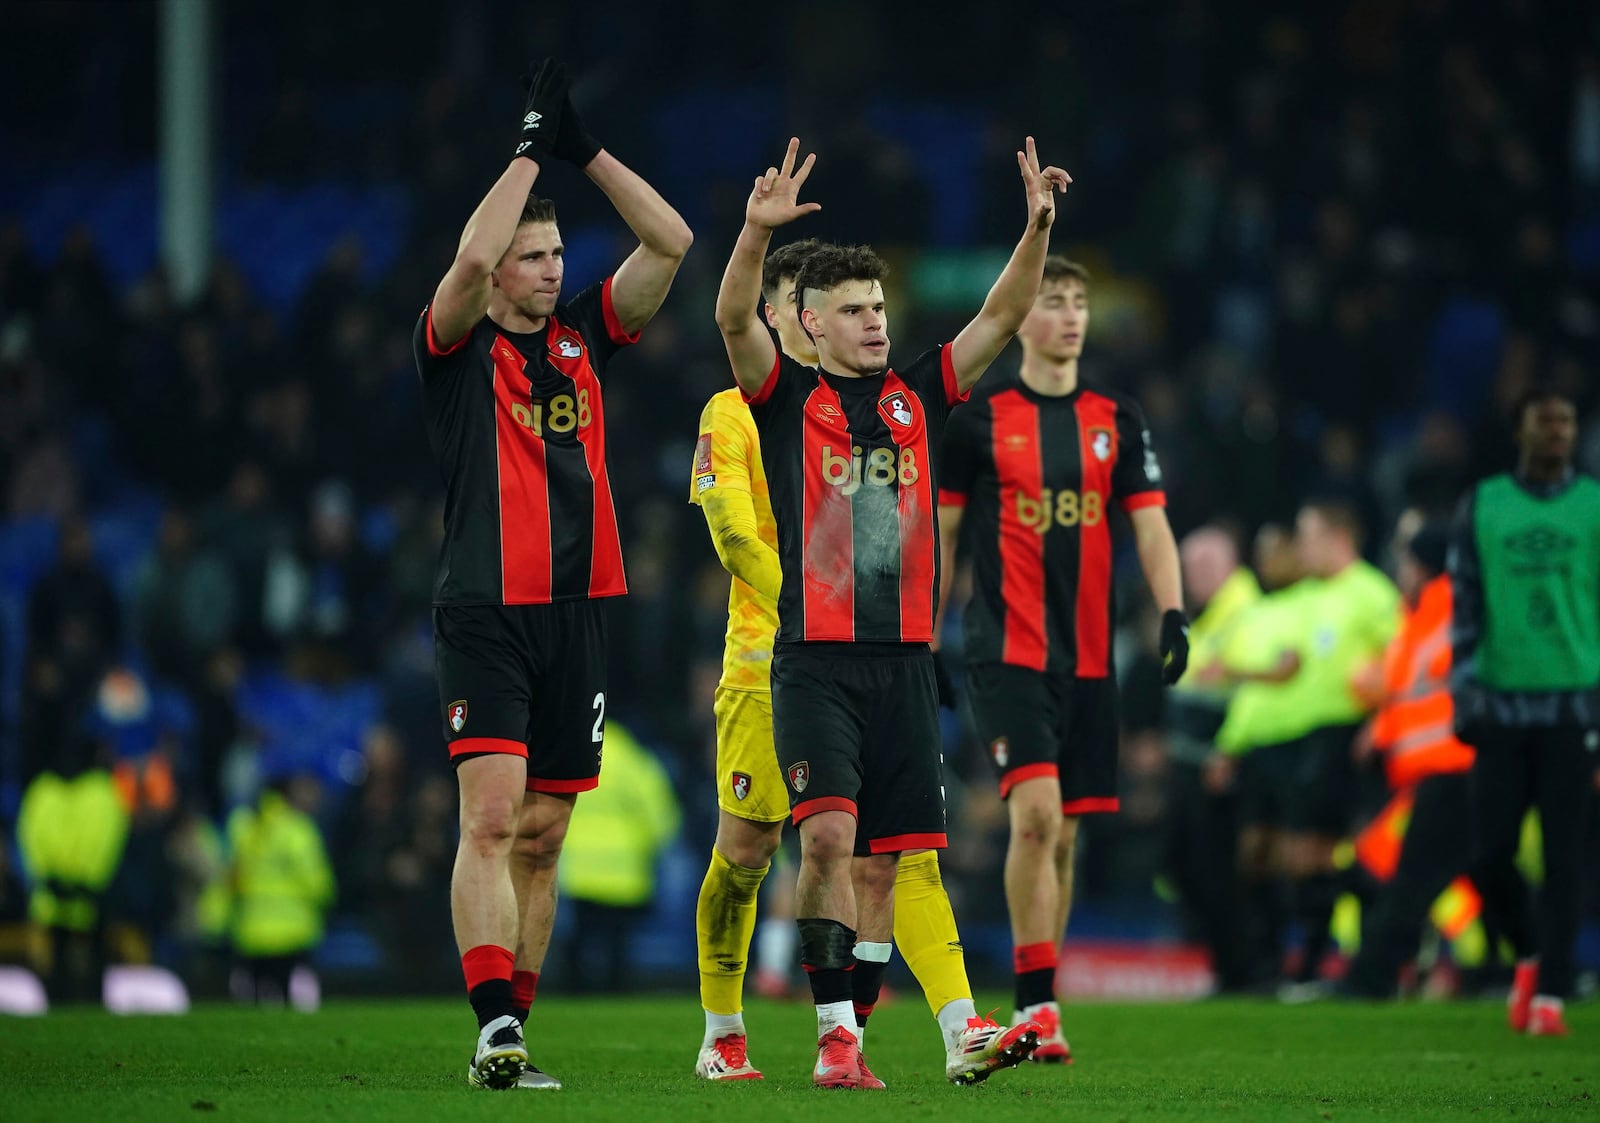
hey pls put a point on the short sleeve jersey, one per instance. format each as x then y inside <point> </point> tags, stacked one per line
<point>1037,476</point>
<point>518,432</point>
<point>851,467</point>
<point>728,455</point>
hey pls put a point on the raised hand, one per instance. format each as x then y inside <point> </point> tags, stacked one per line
<point>546,84</point>
<point>1041,187</point>
<point>775,199</point>
<point>574,143</point>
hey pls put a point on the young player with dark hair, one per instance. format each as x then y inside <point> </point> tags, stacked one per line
<point>511,380</point>
<point>1033,470</point>
<point>849,452</point>
<point>730,485</point>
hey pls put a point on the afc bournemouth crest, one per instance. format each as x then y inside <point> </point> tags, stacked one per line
<point>1100,443</point>
<point>896,408</point>
<point>1000,749</point>
<point>800,775</point>
<point>741,785</point>
<point>458,715</point>
<point>567,347</point>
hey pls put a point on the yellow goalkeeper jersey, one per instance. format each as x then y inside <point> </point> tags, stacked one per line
<point>730,485</point>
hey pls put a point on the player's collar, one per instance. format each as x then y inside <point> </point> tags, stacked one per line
<point>1546,489</point>
<point>851,381</point>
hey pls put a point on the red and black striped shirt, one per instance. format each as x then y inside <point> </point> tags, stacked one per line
<point>1037,476</point>
<point>854,486</point>
<point>518,432</point>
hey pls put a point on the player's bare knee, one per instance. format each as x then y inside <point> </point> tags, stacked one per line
<point>543,847</point>
<point>1036,824</point>
<point>489,825</point>
<point>874,876</point>
<point>828,839</point>
<point>750,854</point>
<point>1066,837</point>
<point>747,843</point>
<point>767,845</point>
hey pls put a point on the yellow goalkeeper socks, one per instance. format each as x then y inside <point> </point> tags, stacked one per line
<point>925,929</point>
<point>724,920</point>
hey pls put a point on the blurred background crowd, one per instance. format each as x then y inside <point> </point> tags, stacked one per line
<point>1331,244</point>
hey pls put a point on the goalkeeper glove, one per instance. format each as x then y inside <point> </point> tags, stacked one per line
<point>546,84</point>
<point>1174,645</point>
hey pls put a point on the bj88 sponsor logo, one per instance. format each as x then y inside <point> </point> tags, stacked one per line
<point>880,466</point>
<point>1062,507</point>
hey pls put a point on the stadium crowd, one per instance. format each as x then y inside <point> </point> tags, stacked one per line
<point>216,501</point>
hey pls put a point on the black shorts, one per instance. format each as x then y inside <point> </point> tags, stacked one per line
<point>1325,794</point>
<point>1264,785</point>
<point>1309,784</point>
<point>1036,724</point>
<point>529,680</point>
<point>857,729</point>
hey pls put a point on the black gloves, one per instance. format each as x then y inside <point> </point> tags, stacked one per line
<point>574,143</point>
<point>541,115</point>
<point>550,123</point>
<point>1174,645</point>
<point>942,680</point>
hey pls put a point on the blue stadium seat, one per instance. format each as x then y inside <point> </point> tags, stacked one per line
<point>947,143</point>
<point>278,236</point>
<point>123,539</point>
<point>1464,353</point>
<point>306,727</point>
<point>347,947</point>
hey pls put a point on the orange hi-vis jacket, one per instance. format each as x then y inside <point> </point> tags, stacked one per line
<point>1415,731</point>
<point>1415,726</point>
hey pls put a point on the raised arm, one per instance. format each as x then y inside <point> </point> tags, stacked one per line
<point>1007,304</point>
<point>462,297</point>
<point>641,282</point>
<point>774,201</point>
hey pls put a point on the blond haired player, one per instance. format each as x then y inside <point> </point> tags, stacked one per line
<point>730,486</point>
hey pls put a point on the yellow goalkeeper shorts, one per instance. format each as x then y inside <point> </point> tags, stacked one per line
<point>749,782</point>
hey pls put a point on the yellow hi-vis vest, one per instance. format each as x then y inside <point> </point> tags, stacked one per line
<point>282,882</point>
<point>71,834</point>
<point>620,828</point>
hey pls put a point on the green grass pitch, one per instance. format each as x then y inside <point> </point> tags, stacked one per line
<point>632,1060</point>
